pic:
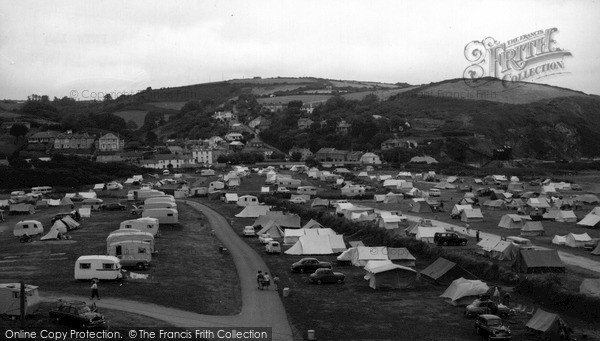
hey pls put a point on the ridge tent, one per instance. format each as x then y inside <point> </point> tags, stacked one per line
<point>538,260</point>
<point>443,271</point>
<point>515,187</point>
<point>392,198</point>
<point>538,203</point>
<point>587,198</point>
<point>53,202</point>
<point>495,204</point>
<point>283,220</point>
<point>420,206</point>
<point>595,210</point>
<point>65,201</point>
<point>401,255</point>
<point>550,326</point>
<point>379,197</point>
<point>267,217</point>
<point>596,251</point>
<point>356,243</point>
<point>385,274</point>
<point>317,202</point>
<point>462,292</point>
<point>513,221</point>
<point>272,229</point>
<point>60,226</point>
<point>559,240</point>
<point>426,234</point>
<point>253,211</point>
<point>515,204</point>
<point>390,222</point>
<point>10,299</point>
<point>53,234</point>
<point>590,220</point>
<point>551,214</point>
<point>70,222</point>
<point>291,236</point>
<point>457,209</point>
<point>85,212</point>
<point>471,215</point>
<point>532,228</point>
<point>360,255</point>
<point>21,208</point>
<point>444,185</point>
<point>590,287</point>
<point>317,245</point>
<point>487,244</point>
<point>566,217</point>
<point>312,224</point>
<point>504,250</point>
<point>265,189</point>
<point>577,240</point>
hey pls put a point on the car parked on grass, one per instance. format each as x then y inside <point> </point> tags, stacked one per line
<point>306,265</point>
<point>249,231</point>
<point>77,314</point>
<point>491,327</point>
<point>264,238</point>
<point>282,190</point>
<point>298,200</point>
<point>449,238</point>
<point>113,206</point>
<point>479,307</point>
<point>324,275</point>
<point>273,247</point>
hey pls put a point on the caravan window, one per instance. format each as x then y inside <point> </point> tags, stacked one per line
<point>85,266</point>
<point>169,214</point>
<point>149,226</point>
<point>141,250</point>
<point>25,226</point>
<point>107,266</point>
<point>128,226</point>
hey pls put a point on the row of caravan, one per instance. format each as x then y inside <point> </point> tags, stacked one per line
<point>162,207</point>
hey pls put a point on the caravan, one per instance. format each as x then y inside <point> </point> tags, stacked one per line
<point>147,224</point>
<point>41,190</point>
<point>142,194</point>
<point>164,215</point>
<point>93,204</point>
<point>28,227</point>
<point>10,299</point>
<point>100,267</point>
<point>132,253</point>
<point>163,204</point>
<point>134,235</point>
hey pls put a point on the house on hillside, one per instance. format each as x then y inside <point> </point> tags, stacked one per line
<point>260,123</point>
<point>398,143</point>
<point>370,159</point>
<point>164,161</point>
<point>331,154</point>
<point>354,156</point>
<point>224,116</point>
<point>43,137</point>
<point>110,142</point>
<point>304,123</point>
<point>305,152</point>
<point>342,127</point>
<point>216,141</point>
<point>69,140</point>
<point>203,155</point>
<point>234,137</point>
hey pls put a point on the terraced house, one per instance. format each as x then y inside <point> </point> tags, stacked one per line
<point>69,140</point>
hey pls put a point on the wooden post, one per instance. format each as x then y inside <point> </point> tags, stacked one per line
<point>22,305</point>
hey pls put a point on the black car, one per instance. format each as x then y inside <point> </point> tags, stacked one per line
<point>449,238</point>
<point>491,327</point>
<point>309,265</point>
<point>77,314</point>
<point>115,206</point>
<point>324,275</point>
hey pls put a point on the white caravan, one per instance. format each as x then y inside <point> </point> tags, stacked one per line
<point>164,215</point>
<point>132,253</point>
<point>147,224</point>
<point>28,227</point>
<point>10,299</point>
<point>129,234</point>
<point>160,198</point>
<point>152,205</point>
<point>98,266</point>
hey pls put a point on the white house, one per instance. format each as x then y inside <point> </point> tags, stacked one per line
<point>203,155</point>
<point>370,159</point>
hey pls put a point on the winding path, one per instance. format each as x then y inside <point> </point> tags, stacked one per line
<point>259,308</point>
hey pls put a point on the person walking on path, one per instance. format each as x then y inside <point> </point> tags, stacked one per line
<point>95,289</point>
<point>267,280</point>
<point>276,281</point>
<point>260,278</point>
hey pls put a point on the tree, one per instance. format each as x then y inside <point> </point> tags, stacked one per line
<point>107,98</point>
<point>18,130</point>
<point>295,104</point>
<point>296,156</point>
<point>189,106</point>
<point>151,138</point>
<point>131,125</point>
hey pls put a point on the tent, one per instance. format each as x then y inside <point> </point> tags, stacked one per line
<point>471,215</point>
<point>590,287</point>
<point>596,251</point>
<point>551,326</point>
<point>10,299</point>
<point>360,255</point>
<point>532,228</point>
<point>379,197</point>
<point>551,213</point>
<point>99,187</point>
<point>385,274</point>
<point>54,233</point>
<point>60,226</point>
<point>577,240</point>
<point>273,229</point>
<point>253,211</point>
<point>443,271</point>
<point>320,202</point>
<point>390,222</point>
<point>401,255</point>
<point>66,202</point>
<point>420,206</point>
<point>566,217</point>
<point>587,198</point>
<point>495,204</point>
<point>457,209</point>
<point>85,212</point>
<point>312,224</point>
<point>22,208</point>
<point>463,292</point>
<point>444,185</point>
<point>590,220</point>
<point>318,245</point>
<point>291,236</point>
<point>559,240</point>
<point>513,221</point>
<point>504,250</point>
<point>392,198</point>
<point>538,260</point>
<point>356,243</point>
<point>538,203</point>
<point>487,244</point>
<point>53,202</point>
<point>283,220</point>
<point>426,234</point>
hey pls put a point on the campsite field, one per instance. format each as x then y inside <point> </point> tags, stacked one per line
<point>188,271</point>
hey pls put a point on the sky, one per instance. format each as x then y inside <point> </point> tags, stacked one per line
<point>83,48</point>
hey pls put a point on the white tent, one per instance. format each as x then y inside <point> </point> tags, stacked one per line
<point>559,240</point>
<point>463,291</point>
<point>85,212</point>
<point>391,222</point>
<point>590,220</point>
<point>577,240</point>
<point>312,224</point>
<point>513,221</point>
<point>317,245</point>
<point>360,255</point>
<point>566,217</point>
<point>253,211</point>
<point>53,202</point>
<point>590,287</point>
<point>426,234</point>
<point>457,209</point>
<point>98,187</point>
<point>291,236</point>
<point>471,215</point>
<point>319,202</point>
<point>382,274</point>
<point>273,229</point>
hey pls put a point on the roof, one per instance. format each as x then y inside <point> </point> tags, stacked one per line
<point>438,268</point>
<point>109,136</point>
<point>541,258</point>
<point>542,320</point>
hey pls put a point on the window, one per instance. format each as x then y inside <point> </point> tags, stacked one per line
<point>149,226</point>
<point>85,266</point>
<point>107,266</point>
<point>128,226</point>
<point>141,250</point>
<point>169,214</point>
<point>25,226</point>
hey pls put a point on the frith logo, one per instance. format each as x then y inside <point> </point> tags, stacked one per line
<point>526,58</point>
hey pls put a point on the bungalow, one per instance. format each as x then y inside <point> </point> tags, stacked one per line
<point>234,137</point>
<point>304,123</point>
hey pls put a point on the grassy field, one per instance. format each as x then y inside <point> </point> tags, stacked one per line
<point>306,99</point>
<point>136,116</point>
<point>168,105</point>
<point>188,272</point>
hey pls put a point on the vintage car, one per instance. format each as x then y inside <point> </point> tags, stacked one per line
<point>309,265</point>
<point>479,307</point>
<point>77,314</point>
<point>324,275</point>
<point>491,327</point>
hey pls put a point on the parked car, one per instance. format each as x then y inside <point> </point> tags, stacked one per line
<point>113,206</point>
<point>535,183</point>
<point>282,190</point>
<point>264,238</point>
<point>479,307</point>
<point>273,247</point>
<point>491,327</point>
<point>309,265</point>
<point>449,238</point>
<point>298,200</point>
<point>249,231</point>
<point>77,314</point>
<point>576,187</point>
<point>324,275</point>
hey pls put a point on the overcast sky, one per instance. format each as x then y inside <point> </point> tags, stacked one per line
<point>57,47</point>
